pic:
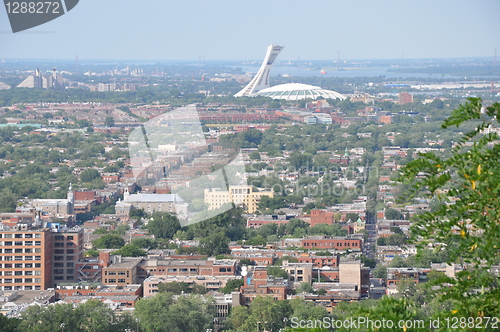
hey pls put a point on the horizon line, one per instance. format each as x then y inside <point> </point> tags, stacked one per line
<point>2,59</point>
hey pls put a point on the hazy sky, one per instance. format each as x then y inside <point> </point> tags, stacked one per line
<point>236,29</point>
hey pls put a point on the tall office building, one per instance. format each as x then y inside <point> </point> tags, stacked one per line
<point>405,98</point>
<point>261,80</point>
<point>67,252</point>
<point>25,257</point>
<point>36,256</point>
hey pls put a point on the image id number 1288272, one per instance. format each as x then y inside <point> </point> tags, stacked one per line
<point>23,7</point>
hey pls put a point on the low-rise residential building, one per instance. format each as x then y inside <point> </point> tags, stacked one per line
<point>332,242</point>
<point>211,283</point>
<point>258,283</point>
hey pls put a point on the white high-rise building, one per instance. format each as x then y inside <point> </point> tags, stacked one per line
<point>261,80</point>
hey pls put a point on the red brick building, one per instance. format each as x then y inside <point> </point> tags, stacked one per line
<point>258,283</point>
<point>321,217</point>
<point>327,242</point>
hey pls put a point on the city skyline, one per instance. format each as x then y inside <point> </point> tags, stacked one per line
<point>225,30</point>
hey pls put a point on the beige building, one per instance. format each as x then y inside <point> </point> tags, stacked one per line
<point>298,272</point>
<point>57,207</point>
<point>123,271</point>
<point>211,283</point>
<point>239,195</point>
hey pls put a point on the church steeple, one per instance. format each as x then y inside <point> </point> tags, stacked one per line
<point>71,199</point>
<point>126,194</point>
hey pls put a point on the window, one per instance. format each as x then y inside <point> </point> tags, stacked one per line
<point>38,265</point>
<point>8,251</point>
<point>38,235</point>
<point>70,251</point>
<point>18,236</point>
<point>38,243</point>
<point>28,273</point>
<point>112,280</point>
<point>59,238</point>
<point>58,278</point>
<point>28,258</point>
<point>18,273</point>
<point>37,258</point>
<point>18,258</point>
<point>112,273</point>
<point>58,271</point>
<point>69,244</point>
<point>69,271</point>
<point>28,265</point>
<point>18,243</point>
<point>70,278</point>
<point>8,243</point>
<point>59,252</point>
<point>59,244</point>
<point>28,236</point>
<point>8,236</point>
<point>18,266</point>
<point>122,281</point>
<point>70,264</point>
<point>28,280</point>
<point>58,258</point>
<point>18,280</point>
<point>121,273</point>
<point>172,270</point>
<point>71,237</point>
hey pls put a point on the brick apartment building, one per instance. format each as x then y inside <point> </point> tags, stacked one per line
<point>35,256</point>
<point>258,283</point>
<point>321,217</point>
<point>332,242</point>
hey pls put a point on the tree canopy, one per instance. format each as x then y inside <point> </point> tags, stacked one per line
<point>164,225</point>
<point>468,183</point>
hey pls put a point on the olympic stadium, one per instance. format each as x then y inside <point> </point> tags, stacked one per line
<point>259,85</point>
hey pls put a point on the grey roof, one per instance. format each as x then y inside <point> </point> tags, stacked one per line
<point>153,198</point>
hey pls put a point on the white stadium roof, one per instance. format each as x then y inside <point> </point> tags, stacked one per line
<point>298,91</point>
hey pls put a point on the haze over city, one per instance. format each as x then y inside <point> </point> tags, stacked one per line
<point>229,30</point>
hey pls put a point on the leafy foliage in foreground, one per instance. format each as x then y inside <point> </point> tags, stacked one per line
<point>468,185</point>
